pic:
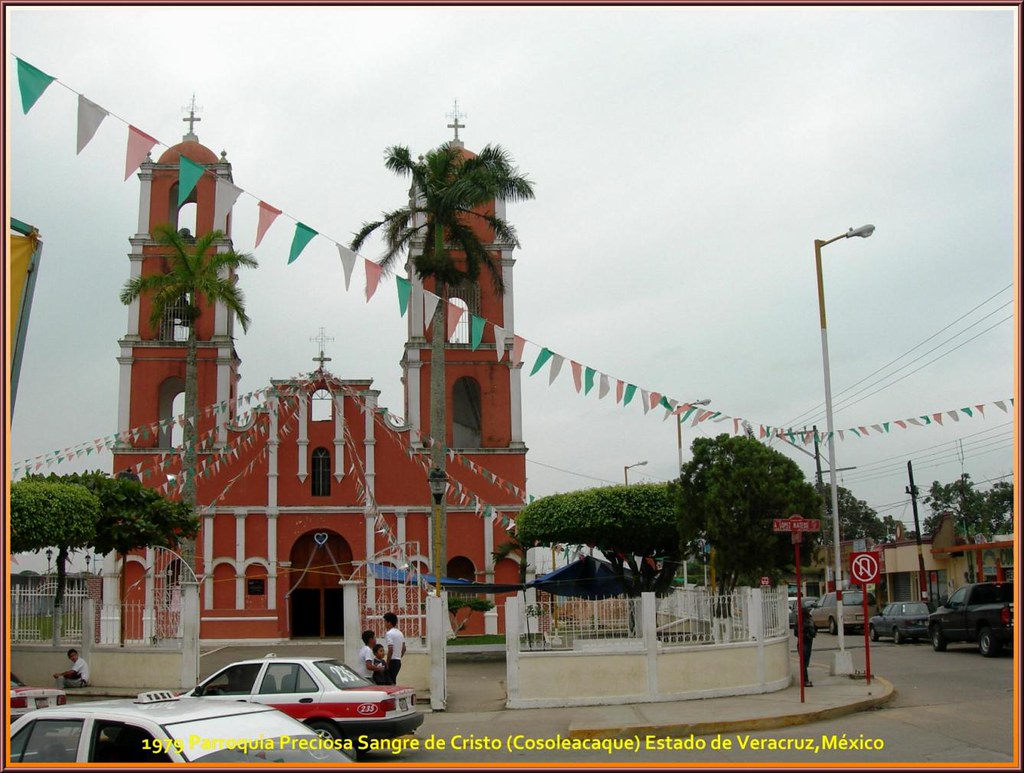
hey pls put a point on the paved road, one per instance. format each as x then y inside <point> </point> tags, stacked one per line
<point>953,707</point>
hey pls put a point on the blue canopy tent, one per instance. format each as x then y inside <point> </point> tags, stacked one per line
<point>586,578</point>
<point>385,572</point>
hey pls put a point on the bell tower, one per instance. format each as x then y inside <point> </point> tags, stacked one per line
<point>484,405</point>
<point>152,361</point>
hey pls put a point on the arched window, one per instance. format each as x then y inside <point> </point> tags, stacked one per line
<point>467,421</point>
<point>461,568</point>
<point>323,405</point>
<point>321,472</point>
<point>172,405</point>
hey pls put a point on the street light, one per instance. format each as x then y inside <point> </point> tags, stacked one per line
<point>842,663</point>
<point>438,481</point>
<point>625,470</point>
<point>49,558</point>
<point>679,429</point>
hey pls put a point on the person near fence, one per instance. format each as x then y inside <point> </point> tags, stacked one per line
<point>380,666</point>
<point>367,667</point>
<point>808,641</point>
<point>76,676</point>
<point>396,645</point>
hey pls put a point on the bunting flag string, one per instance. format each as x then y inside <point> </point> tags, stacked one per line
<point>33,82</point>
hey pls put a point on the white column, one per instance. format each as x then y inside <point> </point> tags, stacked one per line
<point>222,410</point>
<point>649,631</point>
<point>272,558</point>
<point>145,197</point>
<point>369,462</point>
<point>208,560</point>
<point>148,623</point>
<point>339,435</point>
<point>124,389</point>
<point>302,439</point>
<point>239,558</point>
<point>273,406</point>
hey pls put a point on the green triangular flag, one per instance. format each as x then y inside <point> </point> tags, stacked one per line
<point>630,391</point>
<point>32,82</point>
<point>404,292</point>
<point>665,403</point>
<point>189,173</point>
<point>303,234</point>
<point>476,330</point>
<point>544,356</point>
<point>588,380</point>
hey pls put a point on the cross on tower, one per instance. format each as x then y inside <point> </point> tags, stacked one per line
<point>322,339</point>
<point>455,115</point>
<point>192,119</point>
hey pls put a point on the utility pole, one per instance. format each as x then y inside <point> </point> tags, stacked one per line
<point>912,490</point>
<point>824,502</point>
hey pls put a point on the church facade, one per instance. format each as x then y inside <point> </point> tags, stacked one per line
<point>304,481</point>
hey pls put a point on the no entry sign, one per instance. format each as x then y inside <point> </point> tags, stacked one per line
<point>865,567</point>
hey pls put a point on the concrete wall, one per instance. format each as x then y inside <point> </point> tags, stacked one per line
<point>644,670</point>
<point>145,668</point>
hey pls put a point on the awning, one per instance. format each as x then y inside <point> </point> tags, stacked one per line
<point>586,578</point>
<point>389,573</point>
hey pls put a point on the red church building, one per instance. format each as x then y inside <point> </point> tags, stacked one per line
<point>302,482</point>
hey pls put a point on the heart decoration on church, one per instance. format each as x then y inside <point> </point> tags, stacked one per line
<point>320,538</point>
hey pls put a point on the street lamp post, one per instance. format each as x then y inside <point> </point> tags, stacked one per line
<point>842,663</point>
<point>625,470</point>
<point>438,481</point>
<point>679,429</point>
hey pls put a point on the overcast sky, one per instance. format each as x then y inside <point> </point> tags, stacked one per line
<point>684,161</point>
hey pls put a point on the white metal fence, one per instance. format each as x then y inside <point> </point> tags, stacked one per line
<point>685,616</point>
<point>32,608</point>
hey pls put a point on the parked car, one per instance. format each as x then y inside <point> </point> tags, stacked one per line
<point>823,613</point>
<point>25,699</point>
<point>808,602</point>
<point>159,727</point>
<point>323,693</point>
<point>982,613</point>
<point>902,620</point>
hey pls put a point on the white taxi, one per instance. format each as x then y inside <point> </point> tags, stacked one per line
<point>159,727</point>
<point>25,699</point>
<point>324,693</point>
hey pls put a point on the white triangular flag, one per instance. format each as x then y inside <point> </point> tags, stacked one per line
<point>430,302</point>
<point>500,337</point>
<point>225,196</point>
<point>90,116</point>
<point>348,262</point>
<point>603,387</point>
<point>556,366</point>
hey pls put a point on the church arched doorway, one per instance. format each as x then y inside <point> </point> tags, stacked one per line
<point>319,560</point>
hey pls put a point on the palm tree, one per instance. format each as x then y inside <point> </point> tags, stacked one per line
<point>196,276</point>
<point>450,189</point>
<point>517,551</point>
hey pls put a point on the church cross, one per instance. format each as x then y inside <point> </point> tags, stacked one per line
<point>192,119</point>
<point>322,338</point>
<point>455,115</point>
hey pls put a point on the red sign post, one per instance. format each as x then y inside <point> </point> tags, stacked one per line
<point>865,568</point>
<point>796,525</point>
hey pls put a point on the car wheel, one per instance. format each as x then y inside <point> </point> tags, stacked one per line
<point>987,645</point>
<point>325,729</point>
<point>832,627</point>
<point>874,634</point>
<point>897,637</point>
<point>938,640</point>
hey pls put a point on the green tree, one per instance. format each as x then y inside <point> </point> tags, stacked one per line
<point>133,516</point>
<point>974,512</point>
<point>635,527</point>
<point>469,605</point>
<point>52,514</point>
<point>513,548</point>
<point>197,274</point>
<point>857,519</point>
<point>448,213</point>
<point>729,493</point>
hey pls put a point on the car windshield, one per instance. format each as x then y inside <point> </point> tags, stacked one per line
<point>915,609</point>
<point>254,737</point>
<point>341,676</point>
<point>853,598</point>
<point>16,682</point>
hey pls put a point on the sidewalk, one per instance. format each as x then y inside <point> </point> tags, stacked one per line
<point>476,702</point>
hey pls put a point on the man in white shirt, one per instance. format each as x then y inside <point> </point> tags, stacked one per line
<point>365,667</point>
<point>396,645</point>
<point>76,676</point>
